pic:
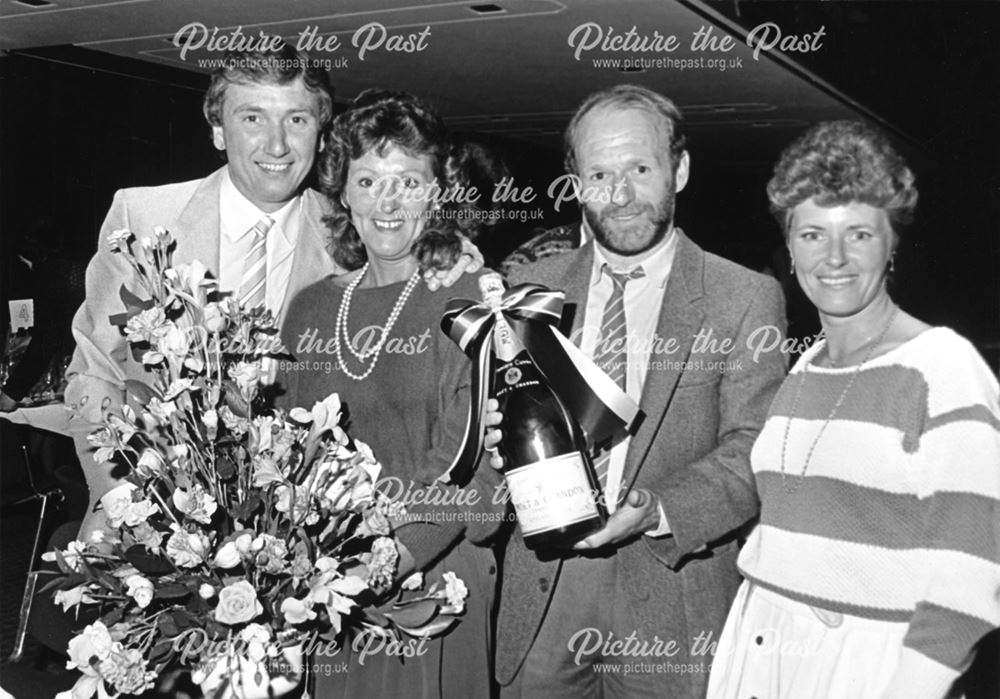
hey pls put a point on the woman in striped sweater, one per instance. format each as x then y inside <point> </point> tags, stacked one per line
<point>875,569</point>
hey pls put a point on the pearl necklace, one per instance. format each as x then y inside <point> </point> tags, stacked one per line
<point>794,485</point>
<point>341,325</point>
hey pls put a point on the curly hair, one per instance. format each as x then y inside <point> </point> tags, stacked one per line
<point>376,121</point>
<point>629,97</point>
<point>276,67</point>
<point>839,162</point>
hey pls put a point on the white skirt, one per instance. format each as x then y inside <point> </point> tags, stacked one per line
<point>773,647</point>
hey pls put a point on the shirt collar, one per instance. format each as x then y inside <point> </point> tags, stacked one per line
<point>240,214</point>
<point>656,266</point>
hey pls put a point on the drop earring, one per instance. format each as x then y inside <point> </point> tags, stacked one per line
<point>892,264</point>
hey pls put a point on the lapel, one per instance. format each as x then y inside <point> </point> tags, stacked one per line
<point>576,284</point>
<point>681,316</point>
<point>197,230</point>
<point>311,261</point>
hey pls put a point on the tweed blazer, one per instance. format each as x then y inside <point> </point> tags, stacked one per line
<point>704,407</point>
<point>102,361</point>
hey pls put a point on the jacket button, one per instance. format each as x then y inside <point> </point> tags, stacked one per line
<point>492,570</point>
<point>543,584</point>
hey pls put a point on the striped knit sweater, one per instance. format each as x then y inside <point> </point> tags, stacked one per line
<point>898,515</point>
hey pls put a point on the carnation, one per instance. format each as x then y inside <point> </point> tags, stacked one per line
<point>382,564</point>
<point>455,591</point>
<point>187,549</point>
<point>140,589</point>
<point>125,669</point>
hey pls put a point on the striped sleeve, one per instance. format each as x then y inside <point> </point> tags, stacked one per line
<point>958,462</point>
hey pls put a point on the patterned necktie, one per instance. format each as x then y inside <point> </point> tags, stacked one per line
<point>253,283</point>
<point>611,353</point>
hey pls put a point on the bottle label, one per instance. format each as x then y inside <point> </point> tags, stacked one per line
<point>551,493</point>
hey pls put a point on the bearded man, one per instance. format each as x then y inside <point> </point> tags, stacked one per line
<point>633,610</point>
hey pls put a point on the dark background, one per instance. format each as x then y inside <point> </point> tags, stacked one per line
<point>75,125</point>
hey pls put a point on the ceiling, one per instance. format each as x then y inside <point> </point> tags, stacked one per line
<point>491,67</point>
<point>505,69</point>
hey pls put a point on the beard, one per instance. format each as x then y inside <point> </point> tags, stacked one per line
<point>637,236</point>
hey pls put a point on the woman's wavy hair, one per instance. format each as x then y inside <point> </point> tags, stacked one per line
<point>839,162</point>
<point>376,121</point>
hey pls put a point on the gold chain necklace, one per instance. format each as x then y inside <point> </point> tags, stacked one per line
<point>794,485</point>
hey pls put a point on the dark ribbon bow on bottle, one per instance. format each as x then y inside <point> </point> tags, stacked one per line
<point>603,411</point>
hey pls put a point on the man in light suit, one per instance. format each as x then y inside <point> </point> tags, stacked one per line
<point>634,609</point>
<point>267,111</point>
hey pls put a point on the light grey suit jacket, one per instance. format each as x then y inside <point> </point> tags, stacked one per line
<point>692,451</point>
<point>102,361</point>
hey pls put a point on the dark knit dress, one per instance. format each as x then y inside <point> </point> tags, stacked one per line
<point>411,410</point>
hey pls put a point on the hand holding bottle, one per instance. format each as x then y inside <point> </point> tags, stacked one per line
<point>638,514</point>
<point>492,418</point>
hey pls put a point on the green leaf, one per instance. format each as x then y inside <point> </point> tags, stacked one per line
<point>142,391</point>
<point>171,591</point>
<point>71,581</point>
<point>147,563</point>
<point>161,651</point>
<point>113,617</point>
<point>225,467</point>
<point>183,618</point>
<point>376,617</point>
<point>109,581</point>
<point>432,629</point>
<point>62,583</point>
<point>168,627</point>
<point>133,303</point>
<point>413,614</point>
<point>244,510</point>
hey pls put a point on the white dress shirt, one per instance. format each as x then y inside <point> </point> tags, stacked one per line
<point>643,301</point>
<point>237,216</point>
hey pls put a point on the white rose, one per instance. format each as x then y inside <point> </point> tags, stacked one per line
<point>140,589</point>
<point>116,503</point>
<point>244,543</point>
<point>228,556</point>
<point>297,611</point>
<point>94,642</point>
<point>238,603</point>
<point>139,512</point>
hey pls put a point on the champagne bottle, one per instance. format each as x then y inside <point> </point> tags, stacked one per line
<point>548,470</point>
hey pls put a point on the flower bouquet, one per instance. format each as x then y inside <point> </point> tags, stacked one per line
<point>240,538</point>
